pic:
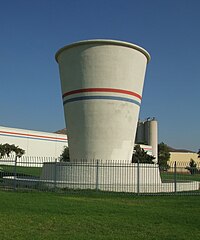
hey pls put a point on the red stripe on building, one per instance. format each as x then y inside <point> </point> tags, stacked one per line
<point>32,135</point>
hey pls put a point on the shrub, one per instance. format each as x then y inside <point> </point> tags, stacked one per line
<point>64,157</point>
<point>192,167</point>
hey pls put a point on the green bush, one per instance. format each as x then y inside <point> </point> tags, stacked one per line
<point>64,157</point>
<point>192,167</point>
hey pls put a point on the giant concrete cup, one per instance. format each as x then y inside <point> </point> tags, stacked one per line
<point>102,83</point>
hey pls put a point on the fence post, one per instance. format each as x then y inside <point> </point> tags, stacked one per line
<point>15,173</point>
<point>97,175</point>
<point>138,176</point>
<point>175,180</point>
<point>55,174</point>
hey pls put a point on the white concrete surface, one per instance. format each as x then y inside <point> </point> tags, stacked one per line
<point>116,177</point>
<point>102,84</point>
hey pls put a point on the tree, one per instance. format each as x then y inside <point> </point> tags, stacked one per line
<point>6,149</point>
<point>163,156</point>
<point>192,167</point>
<point>141,156</point>
<point>64,157</point>
<point>198,153</point>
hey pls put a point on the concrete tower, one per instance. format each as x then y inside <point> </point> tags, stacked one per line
<point>102,84</point>
<point>147,134</point>
<point>151,136</point>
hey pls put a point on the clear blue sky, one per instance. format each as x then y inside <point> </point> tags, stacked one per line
<point>32,31</point>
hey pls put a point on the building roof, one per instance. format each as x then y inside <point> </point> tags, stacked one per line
<point>62,131</point>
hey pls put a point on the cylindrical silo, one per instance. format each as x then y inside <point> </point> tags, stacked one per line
<point>139,139</point>
<point>102,83</point>
<point>151,136</point>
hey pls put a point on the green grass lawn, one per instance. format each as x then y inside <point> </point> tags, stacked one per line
<point>36,215</point>
<point>168,176</point>
<point>32,171</point>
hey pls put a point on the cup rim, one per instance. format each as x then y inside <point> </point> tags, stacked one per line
<point>104,41</point>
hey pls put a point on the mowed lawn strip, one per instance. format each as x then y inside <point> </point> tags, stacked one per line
<point>32,171</point>
<point>37,215</point>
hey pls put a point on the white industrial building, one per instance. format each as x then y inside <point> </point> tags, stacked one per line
<point>35,143</point>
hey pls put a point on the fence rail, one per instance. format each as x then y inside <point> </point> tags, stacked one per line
<point>49,174</point>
